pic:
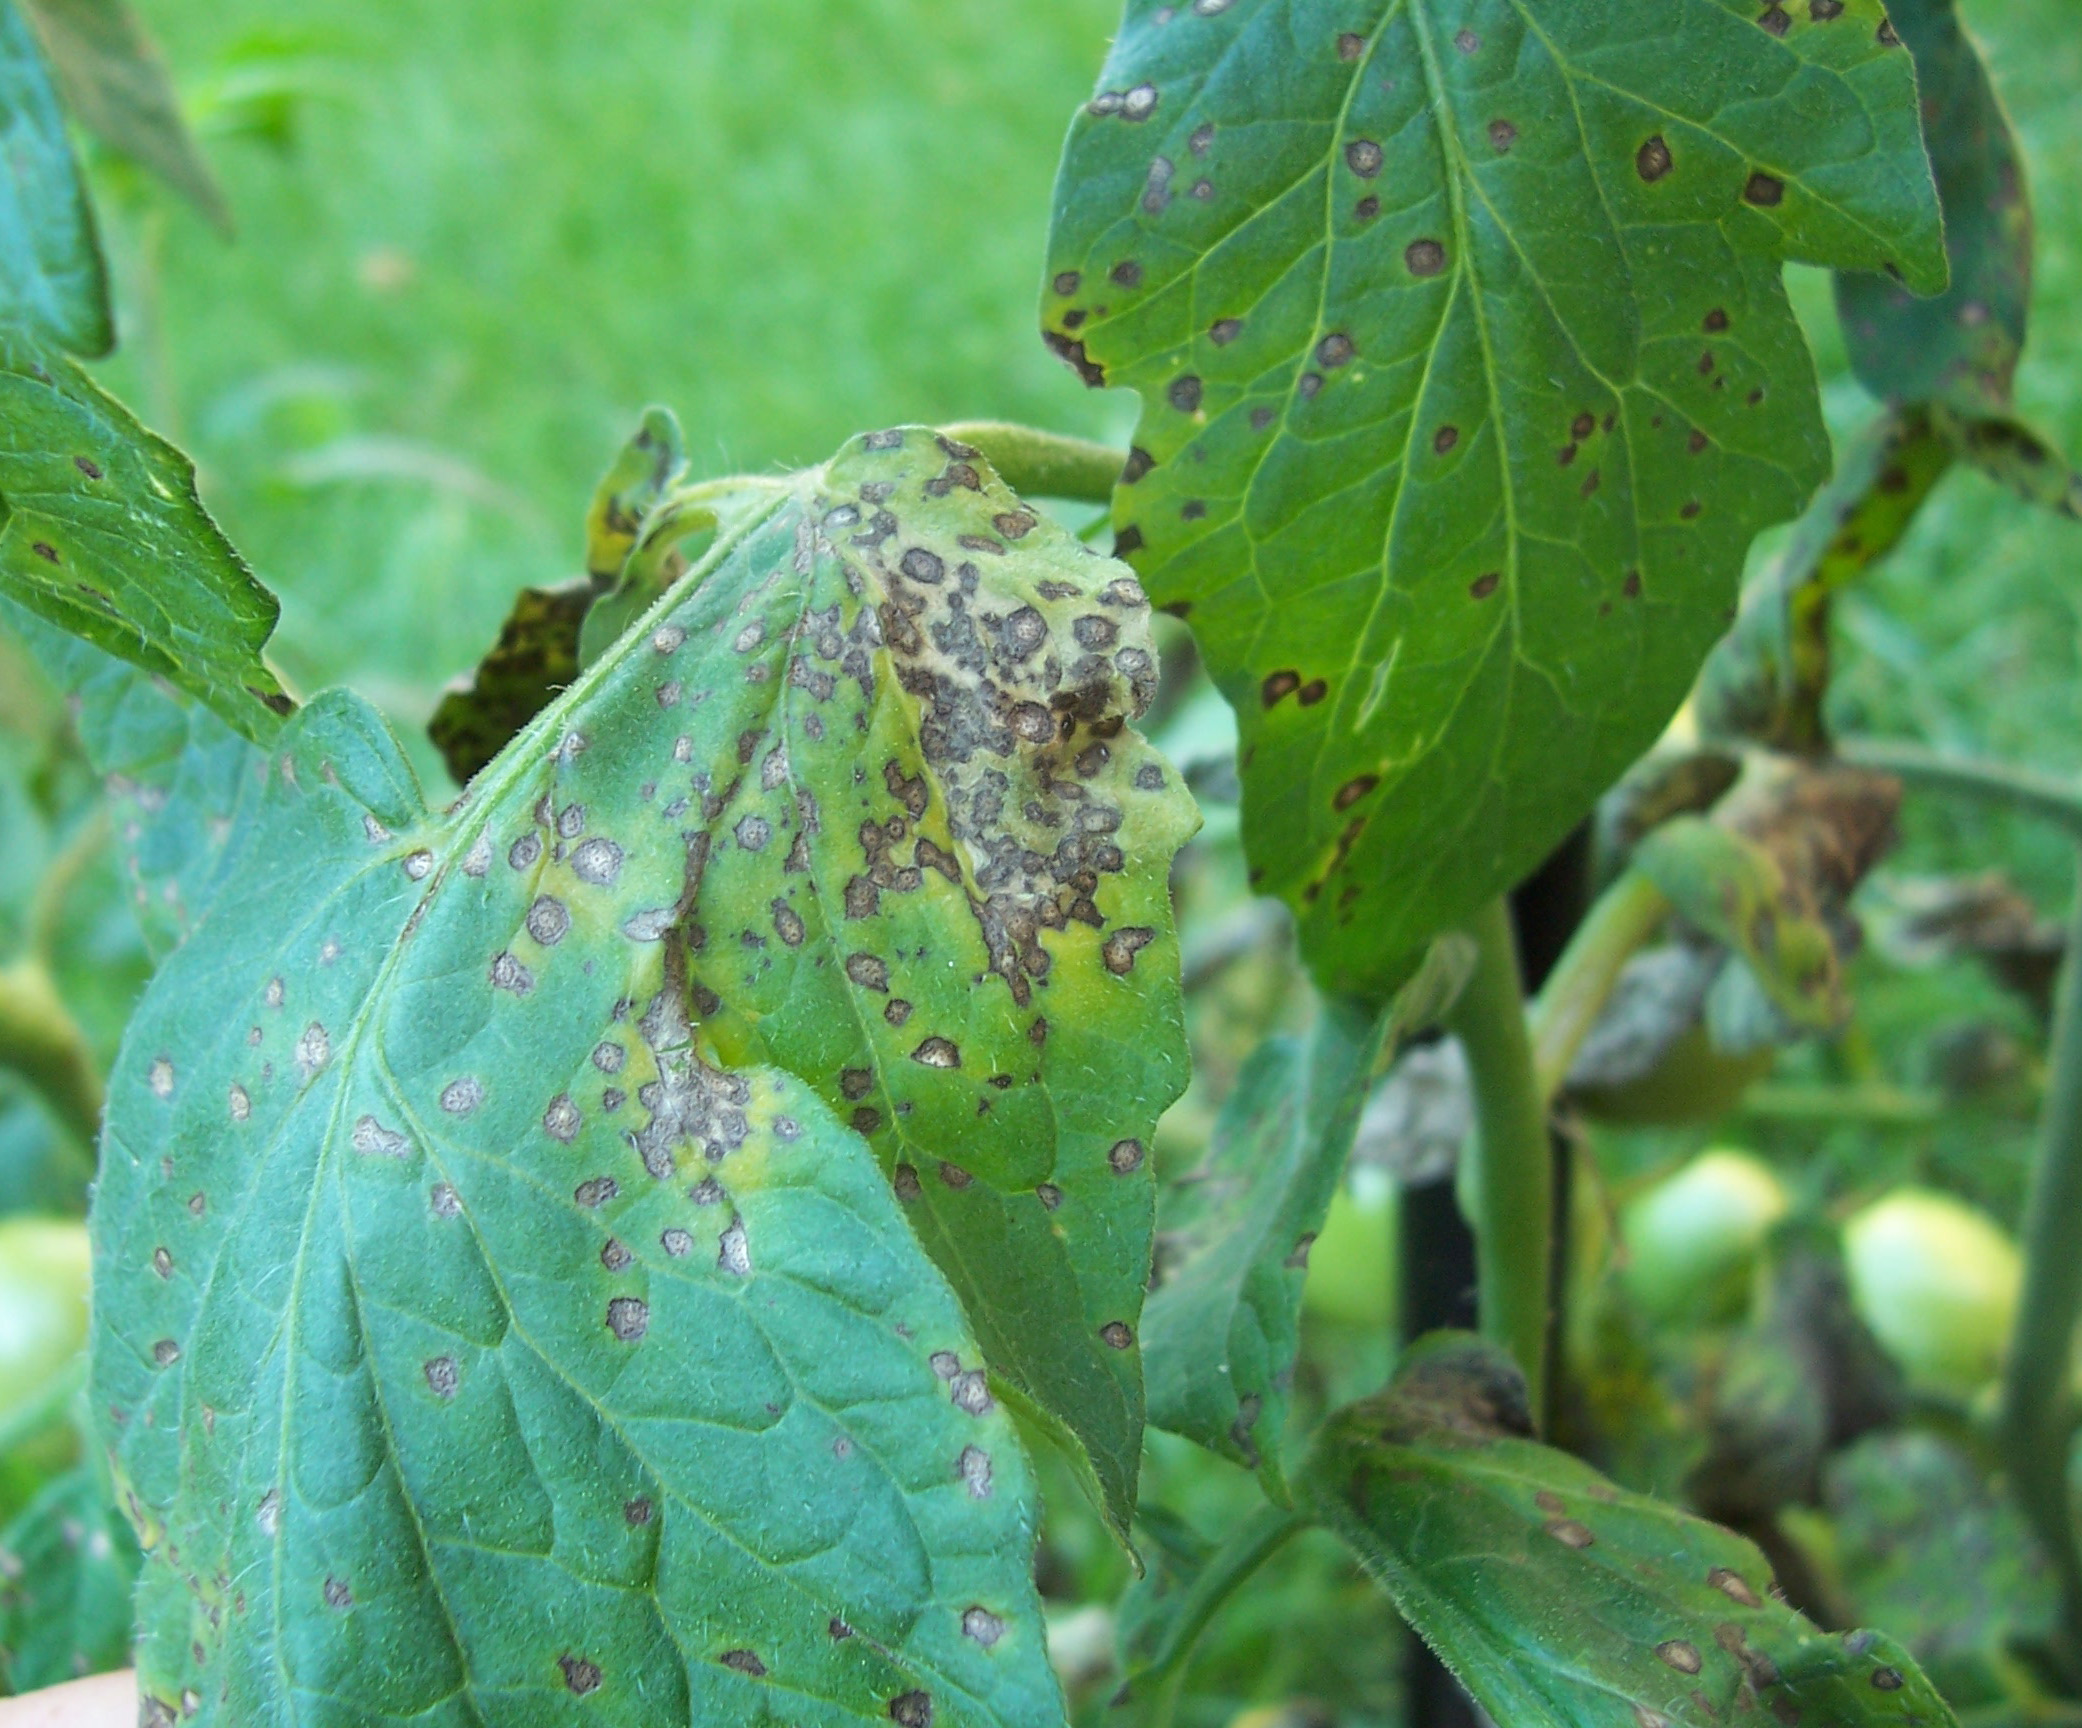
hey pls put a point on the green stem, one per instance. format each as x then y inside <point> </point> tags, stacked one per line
<point>1248,1547</point>
<point>1576,991</point>
<point>1513,1187</point>
<point>42,1042</point>
<point>2036,1413</point>
<point>1044,464</point>
<point>2020,789</point>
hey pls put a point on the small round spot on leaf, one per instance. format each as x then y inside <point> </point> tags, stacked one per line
<point>1765,190</point>
<point>1424,257</point>
<point>1652,161</point>
<point>1681,1654</point>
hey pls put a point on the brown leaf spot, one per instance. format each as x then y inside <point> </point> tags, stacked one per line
<point>1424,257</point>
<point>1765,190</point>
<point>1353,790</point>
<point>1652,160</point>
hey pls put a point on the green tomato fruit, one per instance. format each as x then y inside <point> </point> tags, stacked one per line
<point>1693,1238</point>
<point>43,1307</point>
<point>1693,1082</point>
<point>1937,1282</point>
<point>1351,1263</point>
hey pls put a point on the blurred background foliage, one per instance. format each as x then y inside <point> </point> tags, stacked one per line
<point>474,239</point>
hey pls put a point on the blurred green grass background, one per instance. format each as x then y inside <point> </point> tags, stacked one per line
<point>498,228</point>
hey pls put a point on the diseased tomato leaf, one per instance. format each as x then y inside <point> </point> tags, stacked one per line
<point>105,537</point>
<point>1559,1598</point>
<point>491,1310</point>
<point>1467,377</point>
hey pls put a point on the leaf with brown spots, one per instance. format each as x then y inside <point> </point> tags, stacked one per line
<point>466,1181</point>
<point>1564,243</point>
<point>1583,1605</point>
<point>535,656</point>
<point>1766,679</point>
<point>1959,347</point>
<point>105,537</point>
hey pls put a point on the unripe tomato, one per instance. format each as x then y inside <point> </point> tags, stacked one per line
<point>1937,1282</point>
<point>1351,1263</point>
<point>1693,1082</point>
<point>1693,1238</point>
<point>43,1306</point>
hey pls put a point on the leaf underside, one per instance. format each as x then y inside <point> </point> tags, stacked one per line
<point>52,279</point>
<point>67,1564</point>
<point>1959,347</point>
<point>105,537</point>
<point>479,1334</point>
<point>116,85</point>
<point>1467,378</point>
<point>1224,1319</point>
<point>181,783</point>
<point>1558,1598</point>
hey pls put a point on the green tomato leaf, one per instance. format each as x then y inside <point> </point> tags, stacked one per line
<point>1468,376</point>
<point>434,1371</point>
<point>1224,1319</point>
<point>1766,679</point>
<point>181,783</point>
<point>52,279</point>
<point>1961,346</point>
<point>105,537</point>
<point>1908,1509</point>
<point>116,86</point>
<point>1589,1606</point>
<point>475,1324</point>
<point>67,1566</point>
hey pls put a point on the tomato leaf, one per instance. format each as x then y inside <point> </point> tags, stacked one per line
<point>1767,678</point>
<point>535,656</point>
<point>181,783</point>
<point>607,1361</point>
<point>1224,1319</point>
<point>1588,1605</point>
<point>1467,378</point>
<point>116,86</point>
<point>52,278</point>
<point>105,537</point>
<point>67,1566</point>
<point>1959,347</point>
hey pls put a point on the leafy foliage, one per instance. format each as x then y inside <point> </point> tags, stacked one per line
<point>1766,679</point>
<point>181,783</point>
<point>116,85</point>
<point>52,279</point>
<point>67,1565</point>
<point>1959,347</point>
<point>607,1362</point>
<point>1224,1320</point>
<point>104,536</point>
<point>1592,1604</point>
<point>1224,1317</point>
<point>1468,377</point>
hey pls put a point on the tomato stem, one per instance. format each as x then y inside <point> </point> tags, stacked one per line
<point>2037,1415</point>
<point>1513,1176</point>
<point>40,1040</point>
<point>1575,994</point>
<point>1041,464</point>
